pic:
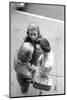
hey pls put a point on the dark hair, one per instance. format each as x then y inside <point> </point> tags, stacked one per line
<point>33,26</point>
<point>44,44</point>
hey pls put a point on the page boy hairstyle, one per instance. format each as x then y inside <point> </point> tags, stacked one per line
<point>33,26</point>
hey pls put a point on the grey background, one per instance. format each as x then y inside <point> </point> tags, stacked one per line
<point>52,11</point>
<point>50,29</point>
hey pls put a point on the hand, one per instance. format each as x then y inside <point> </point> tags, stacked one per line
<point>33,67</point>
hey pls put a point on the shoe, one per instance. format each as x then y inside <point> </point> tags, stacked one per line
<point>24,90</point>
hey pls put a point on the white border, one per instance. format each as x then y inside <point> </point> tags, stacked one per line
<point>4,50</point>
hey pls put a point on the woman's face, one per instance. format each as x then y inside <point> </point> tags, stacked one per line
<point>38,47</point>
<point>33,34</point>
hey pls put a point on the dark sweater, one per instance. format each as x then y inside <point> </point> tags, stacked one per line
<point>35,54</point>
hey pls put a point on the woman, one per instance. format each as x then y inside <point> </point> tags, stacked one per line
<point>33,33</point>
<point>44,65</point>
<point>46,56</point>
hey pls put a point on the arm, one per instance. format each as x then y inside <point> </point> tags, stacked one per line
<point>46,66</point>
<point>49,63</point>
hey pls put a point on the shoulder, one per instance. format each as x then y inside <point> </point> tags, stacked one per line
<point>50,54</point>
<point>50,59</point>
<point>26,39</point>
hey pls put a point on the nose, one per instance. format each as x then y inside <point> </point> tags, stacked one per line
<point>33,36</point>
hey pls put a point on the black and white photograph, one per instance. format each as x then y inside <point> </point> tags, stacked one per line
<point>37,32</point>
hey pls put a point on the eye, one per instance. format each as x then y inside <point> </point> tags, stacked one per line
<point>34,34</point>
<point>30,34</point>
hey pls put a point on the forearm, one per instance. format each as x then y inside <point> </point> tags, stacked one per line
<point>47,70</point>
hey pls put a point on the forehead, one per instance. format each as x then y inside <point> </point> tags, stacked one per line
<point>32,29</point>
